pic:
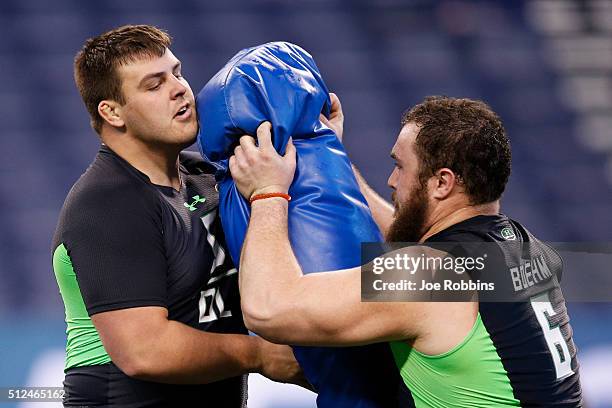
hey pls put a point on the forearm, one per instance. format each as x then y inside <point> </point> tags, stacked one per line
<point>278,301</point>
<point>382,210</point>
<point>284,306</point>
<point>269,271</point>
<point>181,354</point>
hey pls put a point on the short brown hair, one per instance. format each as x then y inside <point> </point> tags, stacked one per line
<point>95,65</point>
<point>467,137</point>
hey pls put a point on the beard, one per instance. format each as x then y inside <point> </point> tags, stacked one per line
<point>409,222</point>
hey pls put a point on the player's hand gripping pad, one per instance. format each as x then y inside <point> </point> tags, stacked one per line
<point>328,216</point>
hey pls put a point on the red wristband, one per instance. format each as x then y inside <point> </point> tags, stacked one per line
<point>269,195</point>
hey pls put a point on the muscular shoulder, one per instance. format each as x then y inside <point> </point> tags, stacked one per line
<point>108,193</point>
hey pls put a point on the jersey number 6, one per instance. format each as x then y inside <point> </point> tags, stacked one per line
<point>552,333</point>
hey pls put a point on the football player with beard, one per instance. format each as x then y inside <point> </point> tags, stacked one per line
<point>452,163</point>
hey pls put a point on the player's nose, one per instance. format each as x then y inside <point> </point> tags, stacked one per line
<point>178,88</point>
<point>392,180</point>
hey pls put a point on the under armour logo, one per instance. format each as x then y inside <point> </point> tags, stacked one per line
<point>196,200</point>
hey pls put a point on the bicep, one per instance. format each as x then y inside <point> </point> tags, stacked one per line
<point>327,309</point>
<point>127,333</point>
<point>117,253</point>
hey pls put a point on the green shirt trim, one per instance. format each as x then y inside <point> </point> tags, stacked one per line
<point>470,375</point>
<point>83,344</point>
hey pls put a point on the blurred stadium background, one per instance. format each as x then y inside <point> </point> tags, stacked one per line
<point>545,66</point>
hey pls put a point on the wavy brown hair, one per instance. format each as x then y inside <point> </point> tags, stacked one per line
<point>467,137</point>
<point>95,65</point>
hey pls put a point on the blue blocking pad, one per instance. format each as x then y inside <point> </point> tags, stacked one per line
<point>328,216</point>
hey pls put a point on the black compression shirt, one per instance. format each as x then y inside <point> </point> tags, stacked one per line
<point>122,242</point>
<point>530,328</point>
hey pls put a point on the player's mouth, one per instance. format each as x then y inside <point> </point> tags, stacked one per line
<point>396,206</point>
<point>184,112</point>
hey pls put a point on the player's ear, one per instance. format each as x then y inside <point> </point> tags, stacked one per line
<point>445,180</point>
<point>110,111</point>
